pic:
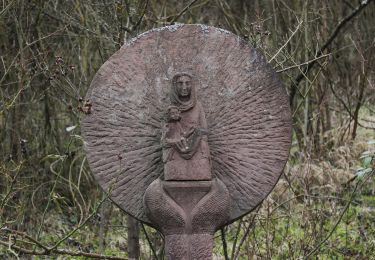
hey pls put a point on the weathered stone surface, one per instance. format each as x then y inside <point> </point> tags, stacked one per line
<point>188,246</point>
<point>194,207</point>
<point>186,154</point>
<point>245,106</point>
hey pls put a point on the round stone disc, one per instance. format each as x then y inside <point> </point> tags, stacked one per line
<point>245,104</point>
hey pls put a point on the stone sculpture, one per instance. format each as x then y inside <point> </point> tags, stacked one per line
<point>189,129</point>
<point>187,155</point>
<point>187,206</point>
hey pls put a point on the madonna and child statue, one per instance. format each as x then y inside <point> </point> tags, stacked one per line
<point>189,131</point>
<point>187,205</point>
<point>186,155</point>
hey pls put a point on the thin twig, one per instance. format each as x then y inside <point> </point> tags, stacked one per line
<point>236,237</point>
<point>224,241</point>
<point>135,26</point>
<point>58,252</point>
<point>22,234</point>
<point>149,241</point>
<point>6,8</point>
<point>248,228</point>
<point>10,189</point>
<point>328,42</point>
<point>304,63</point>
<point>62,159</point>
<point>282,47</point>
<point>182,11</point>
<point>348,109</point>
<point>339,219</point>
<point>79,226</point>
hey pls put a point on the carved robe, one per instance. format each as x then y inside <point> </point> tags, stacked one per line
<point>194,162</point>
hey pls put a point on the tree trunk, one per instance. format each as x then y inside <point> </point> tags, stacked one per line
<point>133,238</point>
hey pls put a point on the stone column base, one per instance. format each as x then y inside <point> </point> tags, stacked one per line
<point>188,213</point>
<point>189,247</point>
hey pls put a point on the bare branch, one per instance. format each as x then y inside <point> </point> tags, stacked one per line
<point>58,252</point>
<point>290,37</point>
<point>312,252</point>
<point>330,39</point>
<point>182,11</point>
<point>303,64</point>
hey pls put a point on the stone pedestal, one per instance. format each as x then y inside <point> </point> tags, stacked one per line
<point>188,214</point>
<point>189,246</point>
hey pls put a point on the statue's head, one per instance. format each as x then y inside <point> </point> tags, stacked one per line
<point>173,113</point>
<point>183,85</point>
<point>183,91</point>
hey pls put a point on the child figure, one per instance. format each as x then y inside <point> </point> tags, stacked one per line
<point>172,137</point>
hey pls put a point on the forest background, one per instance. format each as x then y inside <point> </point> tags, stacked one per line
<point>324,51</point>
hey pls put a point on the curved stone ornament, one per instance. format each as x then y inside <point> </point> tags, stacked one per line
<point>238,128</point>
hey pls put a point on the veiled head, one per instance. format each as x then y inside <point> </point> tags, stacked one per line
<point>183,92</point>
